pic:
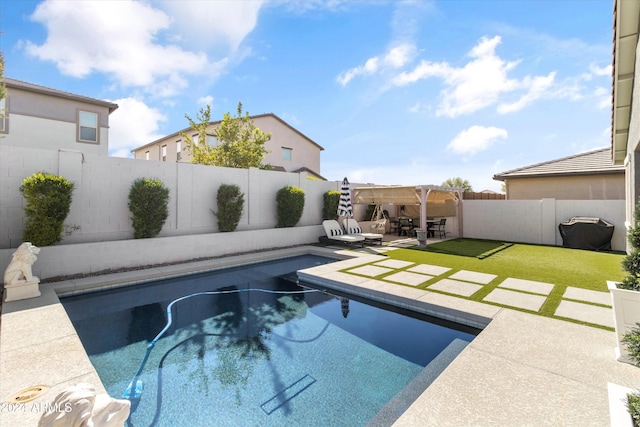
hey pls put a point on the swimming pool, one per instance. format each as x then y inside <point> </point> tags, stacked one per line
<point>279,354</point>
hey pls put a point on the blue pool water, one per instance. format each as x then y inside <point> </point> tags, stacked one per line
<point>281,354</point>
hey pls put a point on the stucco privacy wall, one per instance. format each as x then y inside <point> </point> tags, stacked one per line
<point>102,186</point>
<point>63,260</point>
<point>536,221</point>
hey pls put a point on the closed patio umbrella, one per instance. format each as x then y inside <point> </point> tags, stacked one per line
<point>345,208</point>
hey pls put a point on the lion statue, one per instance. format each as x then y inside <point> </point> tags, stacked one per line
<point>19,269</point>
<point>80,406</point>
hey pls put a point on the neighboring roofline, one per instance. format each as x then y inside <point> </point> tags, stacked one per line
<point>546,175</point>
<point>616,169</point>
<point>625,40</point>
<point>31,87</point>
<point>217,122</point>
<point>310,171</point>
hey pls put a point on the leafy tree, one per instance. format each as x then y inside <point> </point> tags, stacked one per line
<point>240,142</point>
<point>201,152</point>
<point>458,182</point>
<point>3,89</point>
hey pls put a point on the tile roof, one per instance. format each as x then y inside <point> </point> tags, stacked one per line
<point>589,163</point>
<point>19,84</point>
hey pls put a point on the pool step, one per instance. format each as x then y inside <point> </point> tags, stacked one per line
<point>401,402</point>
<point>287,394</point>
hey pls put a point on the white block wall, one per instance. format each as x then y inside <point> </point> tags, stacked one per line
<point>102,183</point>
<point>536,221</point>
<point>62,260</point>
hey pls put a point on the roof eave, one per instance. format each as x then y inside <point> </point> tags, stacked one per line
<point>625,39</point>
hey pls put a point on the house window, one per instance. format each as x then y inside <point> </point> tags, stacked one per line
<point>146,155</point>
<point>164,153</point>
<point>87,127</point>
<point>212,140</point>
<point>3,115</point>
<point>286,154</point>
<point>179,150</point>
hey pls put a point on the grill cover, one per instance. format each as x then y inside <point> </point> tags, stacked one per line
<point>586,233</point>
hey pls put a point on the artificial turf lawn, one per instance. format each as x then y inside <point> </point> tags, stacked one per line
<point>549,264</point>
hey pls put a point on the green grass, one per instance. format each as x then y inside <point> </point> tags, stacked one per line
<point>468,247</point>
<point>559,266</point>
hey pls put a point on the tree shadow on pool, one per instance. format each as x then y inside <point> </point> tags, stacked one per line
<point>227,346</point>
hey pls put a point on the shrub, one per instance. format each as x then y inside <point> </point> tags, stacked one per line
<point>48,201</point>
<point>290,201</point>
<point>330,207</point>
<point>148,200</point>
<point>633,406</point>
<point>230,204</point>
<point>631,263</point>
<point>632,341</point>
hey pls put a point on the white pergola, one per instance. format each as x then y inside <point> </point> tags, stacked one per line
<point>407,195</point>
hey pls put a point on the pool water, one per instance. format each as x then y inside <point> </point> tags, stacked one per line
<point>278,355</point>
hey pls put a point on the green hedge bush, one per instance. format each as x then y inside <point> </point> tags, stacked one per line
<point>633,406</point>
<point>290,201</point>
<point>230,205</point>
<point>631,262</point>
<point>48,201</point>
<point>148,200</point>
<point>330,207</point>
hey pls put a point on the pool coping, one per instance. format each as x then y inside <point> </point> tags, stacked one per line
<point>530,356</point>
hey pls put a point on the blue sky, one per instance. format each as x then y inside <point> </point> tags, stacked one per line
<point>396,92</point>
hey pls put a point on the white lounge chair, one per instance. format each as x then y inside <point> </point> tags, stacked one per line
<point>353,229</point>
<point>335,233</point>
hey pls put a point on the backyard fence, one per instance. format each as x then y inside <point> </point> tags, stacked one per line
<point>536,221</point>
<point>99,210</point>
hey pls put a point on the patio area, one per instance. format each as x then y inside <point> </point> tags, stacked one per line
<point>522,369</point>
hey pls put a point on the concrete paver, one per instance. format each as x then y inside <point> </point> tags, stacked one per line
<point>370,270</point>
<point>432,270</point>
<point>516,299</point>
<point>408,278</point>
<point>393,263</point>
<point>473,276</point>
<point>527,286</point>
<point>586,313</point>
<point>456,287</point>
<point>587,295</point>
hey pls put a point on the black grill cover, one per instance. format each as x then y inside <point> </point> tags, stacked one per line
<point>586,233</point>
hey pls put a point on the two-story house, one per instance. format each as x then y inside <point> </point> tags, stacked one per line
<point>40,117</point>
<point>289,149</point>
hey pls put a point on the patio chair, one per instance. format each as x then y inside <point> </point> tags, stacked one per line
<point>438,227</point>
<point>405,226</point>
<point>334,233</point>
<point>353,229</point>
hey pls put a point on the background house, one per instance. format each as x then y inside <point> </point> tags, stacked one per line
<point>40,117</point>
<point>290,150</point>
<point>584,176</point>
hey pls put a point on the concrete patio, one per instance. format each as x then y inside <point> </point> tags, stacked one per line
<point>522,369</point>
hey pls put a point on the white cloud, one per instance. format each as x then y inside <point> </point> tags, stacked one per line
<point>395,57</point>
<point>475,139</point>
<point>121,39</point>
<point>207,23</point>
<point>133,124</point>
<point>538,86</point>
<point>601,71</point>
<point>206,100</point>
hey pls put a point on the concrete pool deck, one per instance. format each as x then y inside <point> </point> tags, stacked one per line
<point>522,369</point>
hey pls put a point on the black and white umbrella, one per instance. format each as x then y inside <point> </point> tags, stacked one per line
<point>345,208</point>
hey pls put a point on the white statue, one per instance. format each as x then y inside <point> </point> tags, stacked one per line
<point>80,406</point>
<point>19,281</point>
